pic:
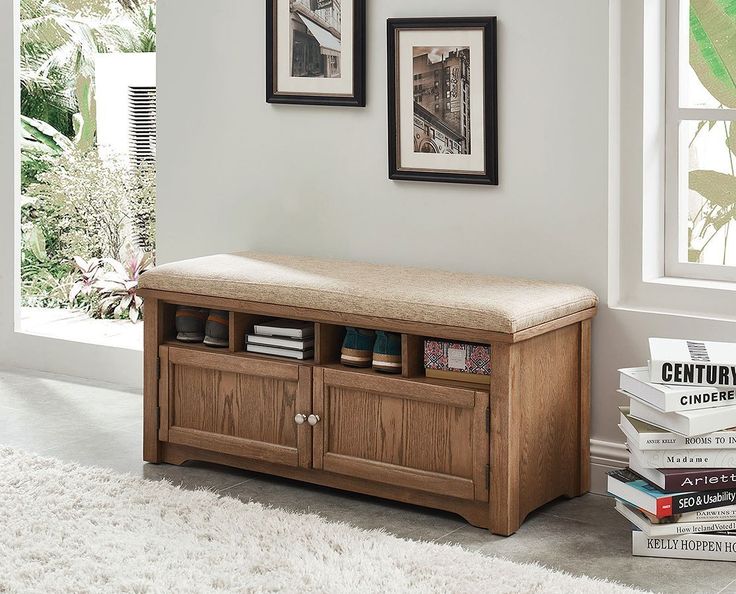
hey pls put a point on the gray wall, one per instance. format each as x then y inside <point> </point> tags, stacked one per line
<point>236,173</point>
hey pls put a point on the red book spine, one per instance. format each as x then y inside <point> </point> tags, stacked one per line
<point>664,507</point>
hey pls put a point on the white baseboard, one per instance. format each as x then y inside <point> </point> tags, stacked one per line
<point>604,457</point>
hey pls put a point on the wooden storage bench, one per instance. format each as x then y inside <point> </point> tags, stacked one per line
<point>489,453</point>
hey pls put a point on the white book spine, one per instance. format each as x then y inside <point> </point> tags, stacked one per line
<point>672,441</point>
<point>687,458</point>
<point>699,399</point>
<point>690,373</point>
<point>681,528</point>
<point>712,547</point>
<point>688,423</point>
<point>667,398</point>
<point>716,514</point>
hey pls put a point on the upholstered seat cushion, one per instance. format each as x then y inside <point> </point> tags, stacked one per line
<point>475,301</point>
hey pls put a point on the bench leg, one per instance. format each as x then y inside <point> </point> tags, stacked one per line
<point>153,332</point>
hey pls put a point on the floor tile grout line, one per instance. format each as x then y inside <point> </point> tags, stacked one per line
<point>449,533</point>
<point>223,491</point>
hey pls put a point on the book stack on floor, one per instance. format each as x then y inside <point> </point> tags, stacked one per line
<point>679,491</point>
<point>282,338</point>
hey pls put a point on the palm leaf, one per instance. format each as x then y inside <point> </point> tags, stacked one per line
<point>716,187</point>
<point>44,133</point>
<point>713,47</point>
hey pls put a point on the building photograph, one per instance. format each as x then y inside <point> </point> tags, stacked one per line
<point>442,100</point>
<point>315,30</point>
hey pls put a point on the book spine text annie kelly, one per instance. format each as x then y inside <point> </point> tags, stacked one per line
<point>672,441</point>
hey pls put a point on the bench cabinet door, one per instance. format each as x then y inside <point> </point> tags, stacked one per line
<point>235,405</point>
<point>401,432</point>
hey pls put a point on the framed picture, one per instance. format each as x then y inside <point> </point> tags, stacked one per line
<point>443,122</point>
<point>315,52</point>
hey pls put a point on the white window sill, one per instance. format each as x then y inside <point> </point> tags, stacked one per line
<point>664,311</point>
<point>711,285</point>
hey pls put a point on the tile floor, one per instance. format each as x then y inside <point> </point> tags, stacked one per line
<point>101,425</point>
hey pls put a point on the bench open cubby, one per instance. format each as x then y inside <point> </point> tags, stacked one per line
<point>490,452</point>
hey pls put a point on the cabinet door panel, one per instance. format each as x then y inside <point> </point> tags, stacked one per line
<point>235,405</point>
<point>421,436</point>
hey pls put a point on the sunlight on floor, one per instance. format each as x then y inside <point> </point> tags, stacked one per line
<point>72,325</point>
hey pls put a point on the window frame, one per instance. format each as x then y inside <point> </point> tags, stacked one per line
<point>676,160</point>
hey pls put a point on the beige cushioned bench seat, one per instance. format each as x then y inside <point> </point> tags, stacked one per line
<point>491,303</point>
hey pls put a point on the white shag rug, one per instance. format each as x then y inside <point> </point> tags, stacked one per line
<point>69,528</point>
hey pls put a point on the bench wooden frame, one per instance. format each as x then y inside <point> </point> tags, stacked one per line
<point>500,451</point>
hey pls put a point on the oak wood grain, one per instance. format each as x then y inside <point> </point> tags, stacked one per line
<point>164,390</point>
<point>327,342</point>
<point>222,402</point>
<point>304,405</point>
<point>318,407</point>
<point>241,324</point>
<point>374,382</point>
<point>410,438</point>
<point>476,513</point>
<point>505,438</point>
<point>234,363</point>
<point>412,478</point>
<point>584,408</point>
<point>481,446</point>
<point>362,321</point>
<point>248,448</point>
<point>412,355</point>
<point>155,326</point>
<point>549,456</point>
<point>381,429</point>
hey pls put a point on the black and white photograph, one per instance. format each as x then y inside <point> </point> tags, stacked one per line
<point>442,100</point>
<point>315,29</point>
<point>316,52</point>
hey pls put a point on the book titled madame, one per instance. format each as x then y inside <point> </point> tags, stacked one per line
<point>692,362</point>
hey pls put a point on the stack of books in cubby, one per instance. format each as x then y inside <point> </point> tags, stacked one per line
<point>292,339</point>
<point>679,491</point>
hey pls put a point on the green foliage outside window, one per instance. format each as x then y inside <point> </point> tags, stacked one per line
<point>713,59</point>
<point>78,208</point>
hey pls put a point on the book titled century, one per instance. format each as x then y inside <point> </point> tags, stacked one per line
<point>692,362</point>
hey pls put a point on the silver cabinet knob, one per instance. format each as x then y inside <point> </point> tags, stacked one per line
<point>313,420</point>
<point>299,419</point>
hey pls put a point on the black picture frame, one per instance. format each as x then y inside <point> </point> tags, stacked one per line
<point>490,141</point>
<point>358,96</point>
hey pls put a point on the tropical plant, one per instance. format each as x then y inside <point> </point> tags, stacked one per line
<point>84,206</point>
<point>58,50</point>
<point>713,59</point>
<point>73,202</point>
<point>142,207</point>
<point>89,194</point>
<point>91,272</point>
<point>43,287</point>
<point>45,269</point>
<point>118,287</point>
